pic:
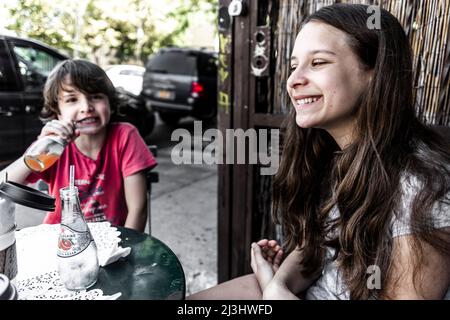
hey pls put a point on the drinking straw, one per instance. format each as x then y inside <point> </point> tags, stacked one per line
<point>72,177</point>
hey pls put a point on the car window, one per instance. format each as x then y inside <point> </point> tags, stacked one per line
<point>35,64</point>
<point>181,63</point>
<point>7,79</point>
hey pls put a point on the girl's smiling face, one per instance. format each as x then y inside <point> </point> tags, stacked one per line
<point>327,79</point>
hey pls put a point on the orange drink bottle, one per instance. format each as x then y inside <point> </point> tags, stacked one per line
<point>43,153</point>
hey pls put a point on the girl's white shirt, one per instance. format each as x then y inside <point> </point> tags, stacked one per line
<point>330,285</point>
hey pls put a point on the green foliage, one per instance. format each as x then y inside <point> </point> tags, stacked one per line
<point>124,31</point>
<point>32,20</point>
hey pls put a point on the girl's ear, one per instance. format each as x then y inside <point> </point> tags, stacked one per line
<point>371,75</point>
<point>369,78</point>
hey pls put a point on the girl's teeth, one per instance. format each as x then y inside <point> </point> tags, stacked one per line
<point>307,100</point>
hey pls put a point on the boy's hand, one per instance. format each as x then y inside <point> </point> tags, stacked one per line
<point>62,128</point>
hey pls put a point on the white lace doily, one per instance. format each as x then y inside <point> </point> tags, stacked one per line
<point>37,276</point>
<point>49,287</point>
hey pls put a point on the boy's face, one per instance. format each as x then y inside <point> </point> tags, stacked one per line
<point>90,112</point>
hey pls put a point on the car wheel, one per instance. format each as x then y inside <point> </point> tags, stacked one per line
<point>169,119</point>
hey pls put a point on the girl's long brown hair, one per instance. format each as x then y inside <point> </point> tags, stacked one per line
<point>365,179</point>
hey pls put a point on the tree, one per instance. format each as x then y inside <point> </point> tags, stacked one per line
<point>32,20</point>
<point>107,31</point>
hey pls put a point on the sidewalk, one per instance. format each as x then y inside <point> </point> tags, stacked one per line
<point>184,216</point>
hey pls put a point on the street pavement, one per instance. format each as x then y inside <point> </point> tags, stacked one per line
<point>183,211</point>
<point>184,216</point>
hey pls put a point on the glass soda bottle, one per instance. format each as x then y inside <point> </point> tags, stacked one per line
<point>44,152</point>
<point>77,252</point>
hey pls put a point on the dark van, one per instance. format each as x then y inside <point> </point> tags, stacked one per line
<point>181,82</point>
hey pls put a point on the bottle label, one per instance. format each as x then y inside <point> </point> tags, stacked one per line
<point>71,242</point>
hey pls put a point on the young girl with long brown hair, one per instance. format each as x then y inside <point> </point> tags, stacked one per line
<point>363,188</point>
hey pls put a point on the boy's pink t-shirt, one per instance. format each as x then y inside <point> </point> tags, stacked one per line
<point>100,182</point>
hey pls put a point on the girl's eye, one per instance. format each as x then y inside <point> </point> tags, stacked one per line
<point>317,62</point>
<point>293,68</point>
<point>71,100</point>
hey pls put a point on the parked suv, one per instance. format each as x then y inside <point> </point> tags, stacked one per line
<point>24,67</point>
<point>181,82</point>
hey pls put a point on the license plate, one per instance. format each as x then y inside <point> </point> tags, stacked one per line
<point>164,94</point>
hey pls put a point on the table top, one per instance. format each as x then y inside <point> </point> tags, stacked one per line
<point>150,271</point>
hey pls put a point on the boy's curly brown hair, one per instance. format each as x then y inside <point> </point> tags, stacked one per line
<point>86,76</point>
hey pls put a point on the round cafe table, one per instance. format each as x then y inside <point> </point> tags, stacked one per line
<point>150,271</point>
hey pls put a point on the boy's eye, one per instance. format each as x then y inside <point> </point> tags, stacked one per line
<point>71,100</point>
<point>97,97</point>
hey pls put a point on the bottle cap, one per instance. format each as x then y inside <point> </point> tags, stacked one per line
<point>7,289</point>
<point>27,196</point>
